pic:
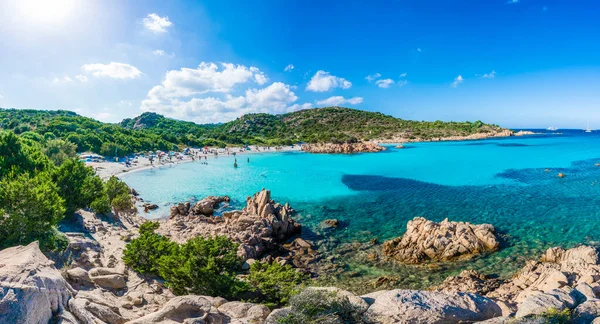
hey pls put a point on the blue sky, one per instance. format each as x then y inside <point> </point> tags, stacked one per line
<point>523,63</point>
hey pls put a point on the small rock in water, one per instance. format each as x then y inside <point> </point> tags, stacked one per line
<point>561,175</point>
<point>330,223</point>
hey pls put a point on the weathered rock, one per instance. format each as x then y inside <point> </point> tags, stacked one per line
<point>178,310</point>
<point>180,209</point>
<point>90,312</point>
<point>330,223</point>
<point>345,148</point>
<point>109,278</point>
<point>113,281</point>
<point>413,306</point>
<point>540,303</point>
<point>587,312</point>
<point>425,240</point>
<point>469,281</point>
<point>260,228</point>
<point>79,276</point>
<point>278,314</point>
<point>558,268</point>
<point>583,292</point>
<point>31,289</point>
<point>248,311</point>
<point>208,205</point>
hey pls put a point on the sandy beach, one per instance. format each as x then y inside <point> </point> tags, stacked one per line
<point>107,169</point>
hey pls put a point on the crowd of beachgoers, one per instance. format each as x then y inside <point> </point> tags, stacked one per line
<point>106,167</point>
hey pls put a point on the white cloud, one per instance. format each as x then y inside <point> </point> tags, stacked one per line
<point>125,103</point>
<point>289,67</point>
<point>384,83</point>
<point>81,78</point>
<point>458,80</point>
<point>323,81</point>
<point>112,70</point>
<point>339,100</point>
<point>401,83</point>
<point>373,77</point>
<point>260,78</point>
<point>104,116</point>
<point>296,107</point>
<point>419,49</point>
<point>512,1</point>
<point>274,99</point>
<point>62,80</point>
<point>159,52</point>
<point>403,75</point>
<point>207,77</point>
<point>157,23</point>
<point>183,94</point>
<point>490,75</point>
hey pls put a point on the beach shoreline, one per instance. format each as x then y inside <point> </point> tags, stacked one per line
<point>108,169</point>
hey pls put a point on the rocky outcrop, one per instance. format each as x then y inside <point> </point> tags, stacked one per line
<point>260,228</point>
<point>31,289</point>
<point>425,241</point>
<point>414,306</point>
<point>410,138</point>
<point>469,281</point>
<point>203,309</point>
<point>345,148</point>
<point>205,207</point>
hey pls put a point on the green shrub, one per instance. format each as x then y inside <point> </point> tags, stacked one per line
<point>318,306</point>
<point>58,150</point>
<point>32,208</point>
<point>142,253</point>
<point>77,184</point>
<point>101,204</point>
<point>118,195</point>
<point>275,283</point>
<point>554,316</point>
<point>204,267</point>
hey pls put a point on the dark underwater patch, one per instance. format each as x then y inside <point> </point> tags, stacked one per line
<point>381,183</point>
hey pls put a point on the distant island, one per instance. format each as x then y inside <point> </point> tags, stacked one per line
<point>151,131</point>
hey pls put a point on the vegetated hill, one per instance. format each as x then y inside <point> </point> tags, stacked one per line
<point>332,124</point>
<point>87,133</point>
<point>151,131</point>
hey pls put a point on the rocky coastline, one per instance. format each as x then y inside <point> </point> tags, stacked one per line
<point>407,138</point>
<point>344,148</point>
<point>90,283</point>
<point>374,146</point>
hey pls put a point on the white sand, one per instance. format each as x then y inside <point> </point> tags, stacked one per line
<point>107,169</point>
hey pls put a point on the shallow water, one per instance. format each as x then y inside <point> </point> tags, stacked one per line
<point>502,182</point>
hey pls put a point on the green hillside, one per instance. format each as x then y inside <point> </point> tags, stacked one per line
<point>151,131</point>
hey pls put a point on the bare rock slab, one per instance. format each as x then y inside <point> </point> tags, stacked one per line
<point>31,289</point>
<point>414,306</point>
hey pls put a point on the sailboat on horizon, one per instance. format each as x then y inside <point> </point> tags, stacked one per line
<point>552,128</point>
<point>587,129</point>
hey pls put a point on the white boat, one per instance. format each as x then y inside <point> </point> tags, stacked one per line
<point>588,130</point>
<point>552,128</point>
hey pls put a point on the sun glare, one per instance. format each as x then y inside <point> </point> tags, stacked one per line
<point>46,11</point>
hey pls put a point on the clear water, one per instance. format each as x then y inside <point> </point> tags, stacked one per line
<point>503,182</point>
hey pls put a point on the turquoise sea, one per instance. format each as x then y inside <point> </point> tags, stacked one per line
<point>504,182</point>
